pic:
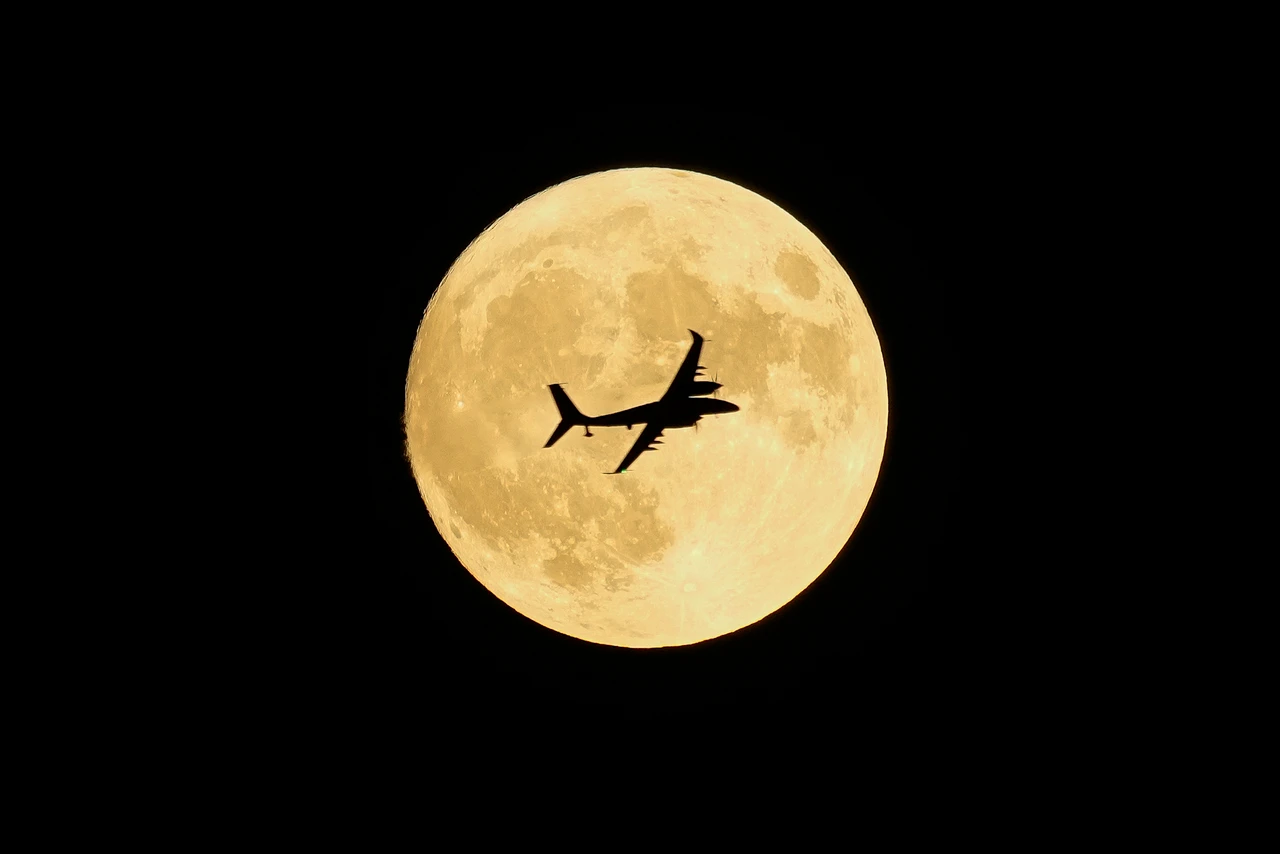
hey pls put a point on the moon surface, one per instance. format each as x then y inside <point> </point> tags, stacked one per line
<point>593,284</point>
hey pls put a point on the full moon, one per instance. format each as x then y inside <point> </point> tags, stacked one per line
<point>594,284</point>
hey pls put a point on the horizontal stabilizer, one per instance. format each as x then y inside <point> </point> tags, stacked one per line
<point>569,414</point>
<point>558,432</point>
<point>568,411</point>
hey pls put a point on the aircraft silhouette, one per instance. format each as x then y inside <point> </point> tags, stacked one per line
<point>680,406</point>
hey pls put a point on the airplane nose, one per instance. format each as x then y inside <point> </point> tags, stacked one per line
<point>733,407</point>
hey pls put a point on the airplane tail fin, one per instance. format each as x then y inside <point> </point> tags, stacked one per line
<point>569,414</point>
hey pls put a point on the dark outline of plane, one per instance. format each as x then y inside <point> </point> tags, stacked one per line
<point>681,406</point>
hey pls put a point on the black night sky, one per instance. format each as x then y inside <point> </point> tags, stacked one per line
<point>886,195</point>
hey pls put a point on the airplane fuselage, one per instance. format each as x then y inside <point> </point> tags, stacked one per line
<point>678,413</point>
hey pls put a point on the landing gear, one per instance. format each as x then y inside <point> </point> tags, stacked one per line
<point>589,433</point>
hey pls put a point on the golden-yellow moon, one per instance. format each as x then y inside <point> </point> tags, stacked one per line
<point>594,284</point>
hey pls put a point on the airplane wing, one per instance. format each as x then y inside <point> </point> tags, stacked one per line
<point>688,370</point>
<point>644,442</point>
